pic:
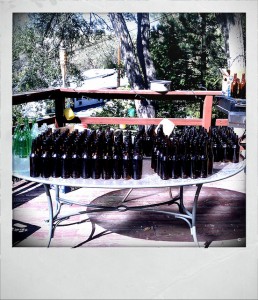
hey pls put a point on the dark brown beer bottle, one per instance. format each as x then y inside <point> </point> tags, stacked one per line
<point>235,150</point>
<point>155,154</point>
<point>34,160</point>
<point>204,161</point>
<point>127,162</point>
<point>185,160</point>
<point>117,160</point>
<point>234,86</point>
<point>137,163</point>
<point>216,151</point>
<point>149,141</point>
<point>175,162</point>
<point>56,160</point>
<point>242,89</point>
<point>107,160</point>
<point>86,169</point>
<point>165,163</point>
<point>97,161</point>
<point>76,162</point>
<point>210,156</point>
<point>225,151</point>
<point>45,161</point>
<point>65,161</point>
<point>193,161</point>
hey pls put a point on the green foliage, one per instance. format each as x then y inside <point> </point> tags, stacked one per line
<point>187,48</point>
<point>115,108</point>
<point>36,44</point>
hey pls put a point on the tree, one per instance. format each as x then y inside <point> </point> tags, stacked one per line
<point>138,63</point>
<point>187,48</point>
<point>36,43</point>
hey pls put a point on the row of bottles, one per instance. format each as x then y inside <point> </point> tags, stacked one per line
<point>191,152</point>
<point>96,154</point>
<point>188,152</point>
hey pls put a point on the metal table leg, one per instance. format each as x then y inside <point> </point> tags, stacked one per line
<point>193,229</point>
<point>50,210</point>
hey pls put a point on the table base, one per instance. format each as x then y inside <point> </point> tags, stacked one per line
<point>184,214</point>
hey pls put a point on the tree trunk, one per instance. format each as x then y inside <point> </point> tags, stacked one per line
<point>143,37</point>
<point>203,50</point>
<point>234,42</point>
<point>145,108</point>
<point>128,52</point>
<point>139,66</point>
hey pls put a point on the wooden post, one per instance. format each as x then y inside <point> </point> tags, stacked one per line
<point>59,108</point>
<point>63,62</point>
<point>207,112</point>
<point>119,63</point>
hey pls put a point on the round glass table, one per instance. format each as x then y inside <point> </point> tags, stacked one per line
<point>149,179</point>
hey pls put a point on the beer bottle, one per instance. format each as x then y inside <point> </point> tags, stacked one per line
<point>236,150</point>
<point>210,157</point>
<point>155,156</point>
<point>107,159</point>
<point>16,137</point>
<point>97,160</point>
<point>76,162</point>
<point>137,163</point>
<point>27,134</point>
<point>23,144</point>
<point>66,161</point>
<point>165,163</point>
<point>216,151</point>
<point>160,132</point>
<point>193,161</point>
<point>225,152</point>
<point>45,159</point>
<point>234,86</point>
<point>56,160</point>
<point>242,89</point>
<point>34,160</point>
<point>175,162</point>
<point>198,157</point>
<point>160,157</point>
<point>117,160</point>
<point>127,162</point>
<point>149,141</point>
<point>86,169</point>
<point>185,160</point>
<point>204,161</point>
<point>128,142</point>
